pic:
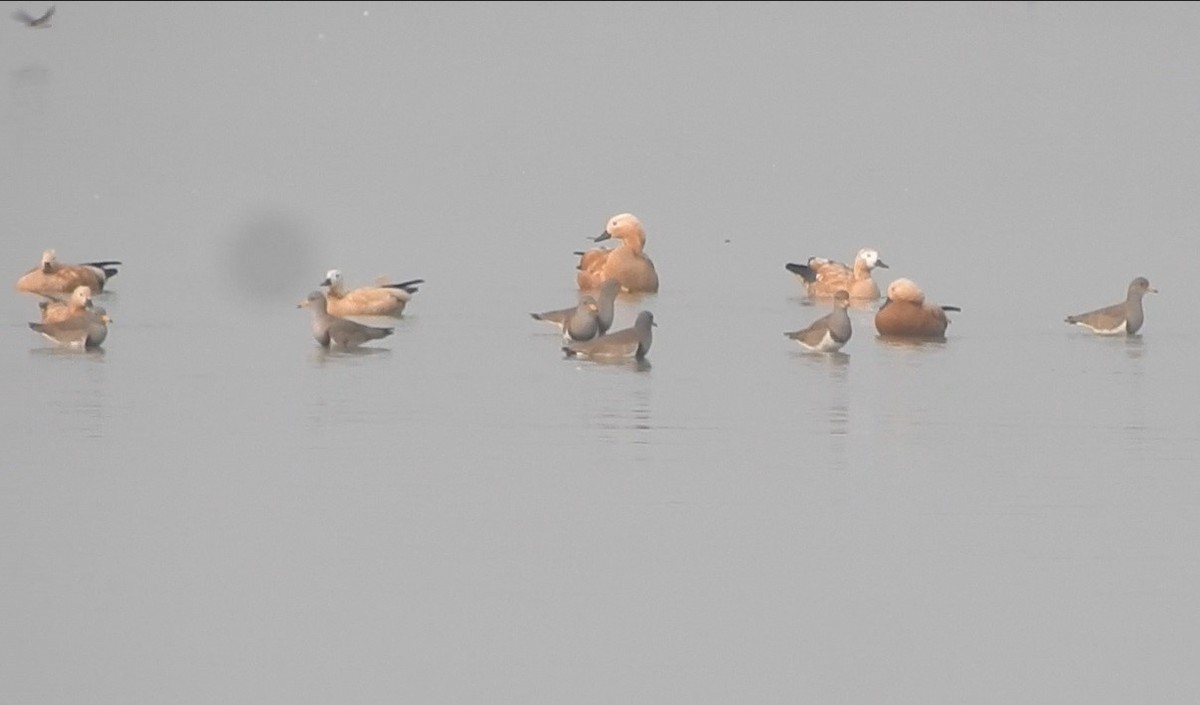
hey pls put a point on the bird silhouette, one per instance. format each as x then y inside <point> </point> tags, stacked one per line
<point>34,22</point>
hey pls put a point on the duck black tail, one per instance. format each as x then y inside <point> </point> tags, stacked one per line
<point>108,266</point>
<point>410,286</point>
<point>802,270</point>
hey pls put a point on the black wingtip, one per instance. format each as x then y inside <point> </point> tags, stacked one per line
<point>410,286</point>
<point>951,308</point>
<point>801,270</point>
<point>108,266</point>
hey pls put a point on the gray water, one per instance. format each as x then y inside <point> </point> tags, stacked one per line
<point>214,510</point>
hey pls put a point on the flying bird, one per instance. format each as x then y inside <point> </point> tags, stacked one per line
<point>34,22</point>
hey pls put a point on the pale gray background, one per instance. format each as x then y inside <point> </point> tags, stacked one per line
<point>212,511</point>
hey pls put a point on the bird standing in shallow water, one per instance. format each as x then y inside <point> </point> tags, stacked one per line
<point>603,311</point>
<point>631,342</point>
<point>579,323</point>
<point>85,328</point>
<point>830,332</point>
<point>1123,318</point>
<point>332,331</point>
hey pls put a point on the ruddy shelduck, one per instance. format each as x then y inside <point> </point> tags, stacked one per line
<point>627,263</point>
<point>824,278</point>
<point>906,313</point>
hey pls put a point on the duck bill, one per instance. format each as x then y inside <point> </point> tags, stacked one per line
<point>602,237</point>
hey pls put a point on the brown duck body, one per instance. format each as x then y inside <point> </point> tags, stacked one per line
<point>823,278</point>
<point>55,311</point>
<point>74,323</point>
<point>53,279</point>
<point>383,299</point>
<point>627,263</point>
<point>906,313</point>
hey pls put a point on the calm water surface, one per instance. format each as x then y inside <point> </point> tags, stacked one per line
<point>214,510</point>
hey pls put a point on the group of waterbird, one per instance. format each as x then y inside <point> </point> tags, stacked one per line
<point>585,326</point>
<point>69,317</point>
<point>335,309</point>
<point>608,272</point>
<point>906,314</point>
<point>601,272</point>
